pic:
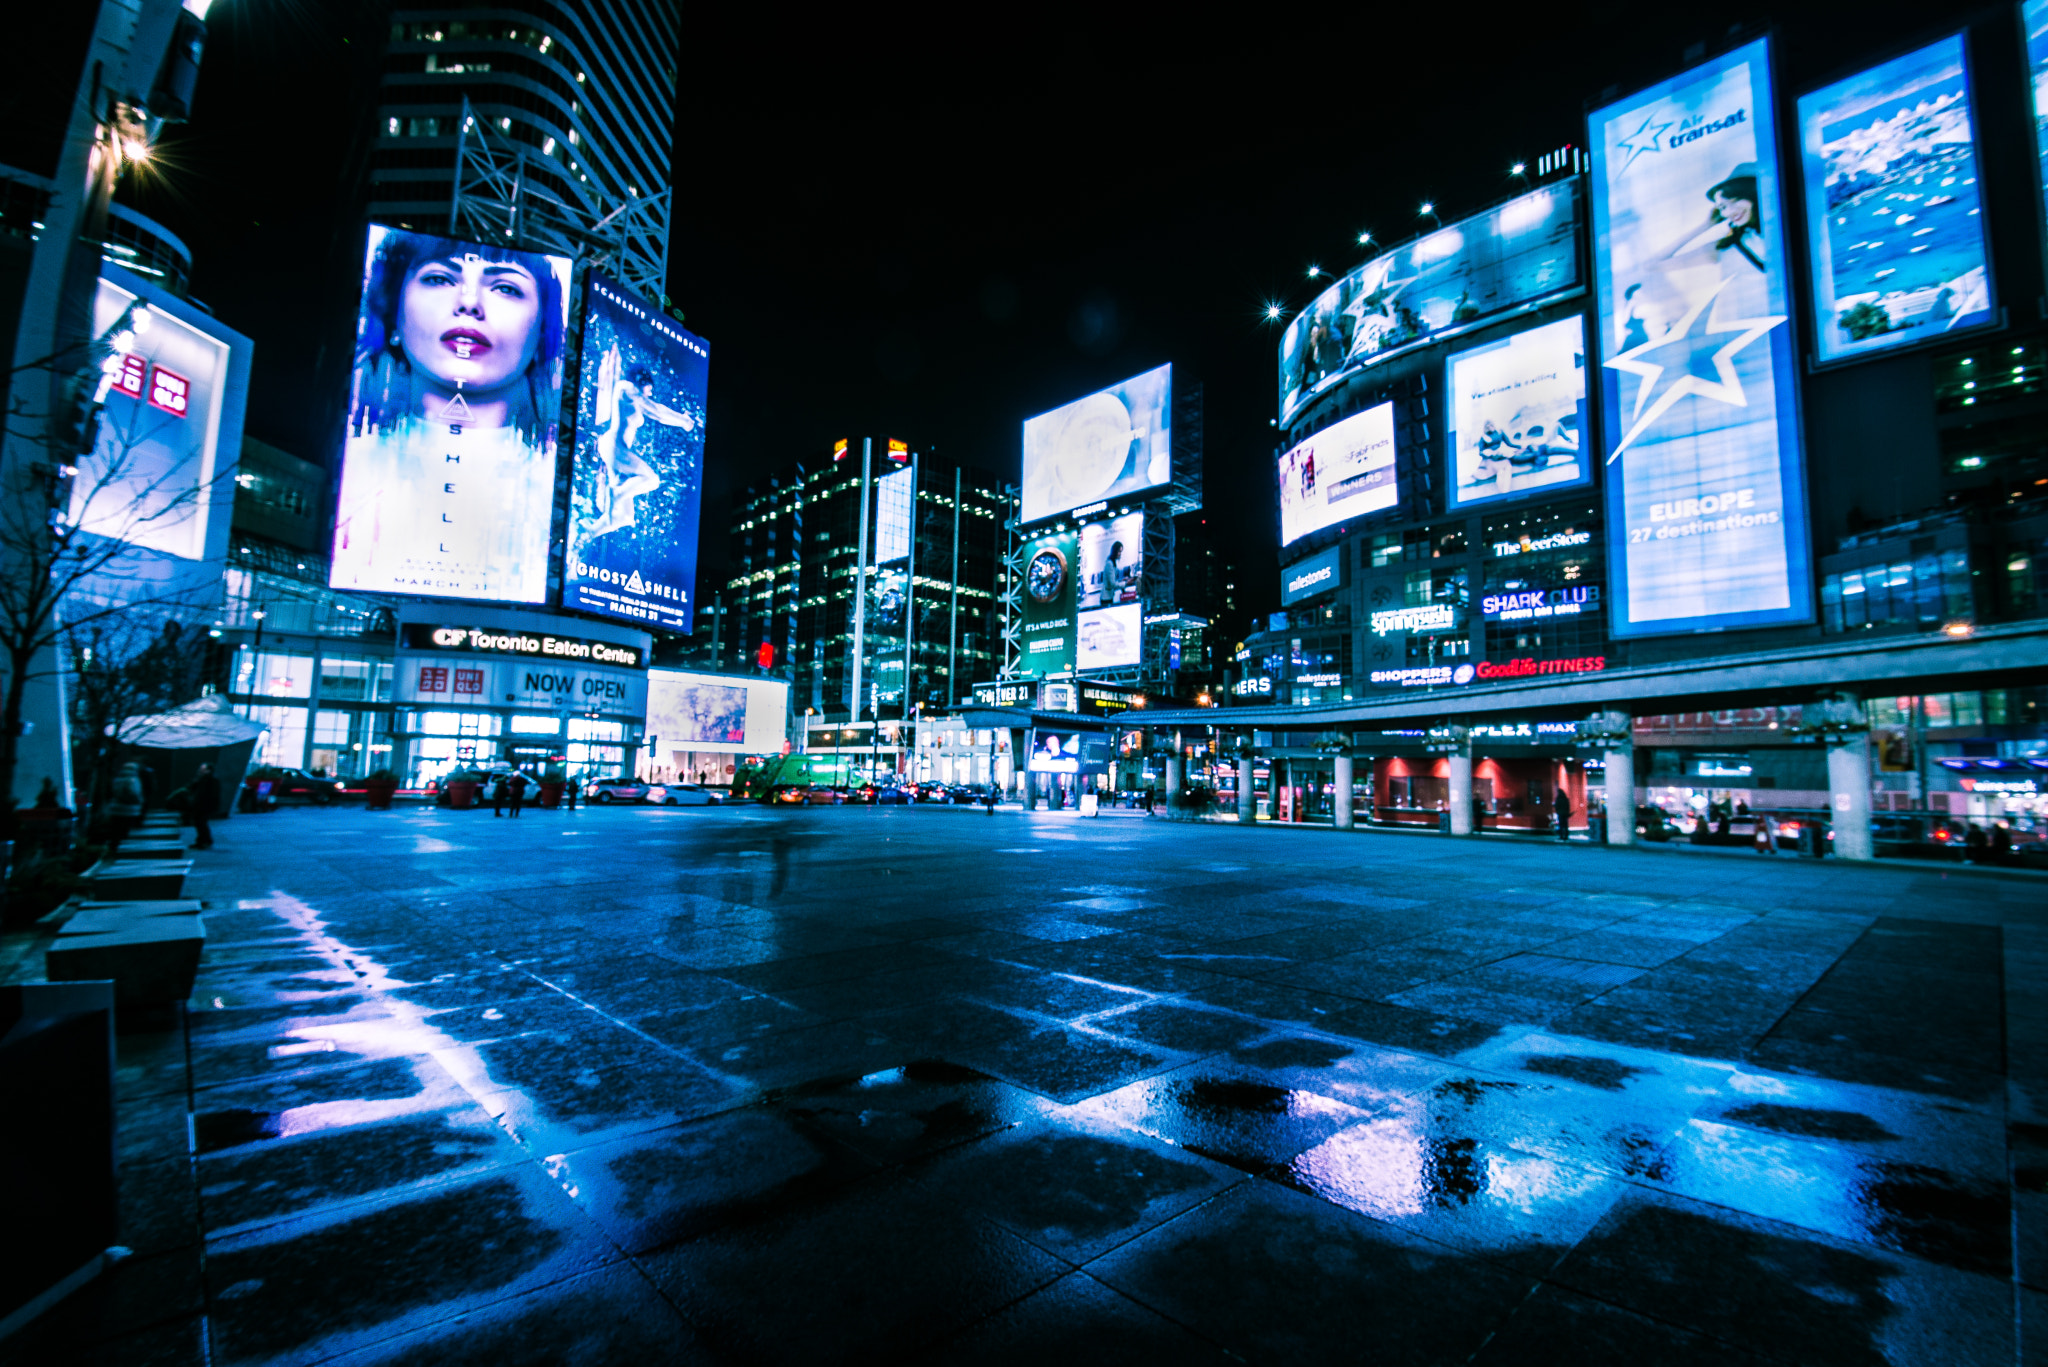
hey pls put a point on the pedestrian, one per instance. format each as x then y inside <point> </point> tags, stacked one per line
<point>1975,844</point>
<point>124,806</point>
<point>499,790</point>
<point>1766,834</point>
<point>569,790</point>
<point>1563,803</point>
<point>2001,843</point>
<point>205,795</point>
<point>149,789</point>
<point>518,791</point>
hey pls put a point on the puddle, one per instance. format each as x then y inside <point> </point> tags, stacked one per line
<point>1608,1074</point>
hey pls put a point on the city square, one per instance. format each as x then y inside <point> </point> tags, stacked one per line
<point>759,1085</point>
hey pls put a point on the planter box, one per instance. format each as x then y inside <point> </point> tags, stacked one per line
<point>151,960</point>
<point>137,880</point>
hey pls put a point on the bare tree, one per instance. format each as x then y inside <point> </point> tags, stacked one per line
<point>100,507</point>
<point>121,667</point>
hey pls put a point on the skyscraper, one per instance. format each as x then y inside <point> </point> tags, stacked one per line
<point>582,94</point>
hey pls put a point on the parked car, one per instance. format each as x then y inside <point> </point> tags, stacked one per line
<point>291,785</point>
<point>1654,823</point>
<point>805,795</point>
<point>685,795</point>
<point>890,794</point>
<point>606,791</point>
<point>1908,835</point>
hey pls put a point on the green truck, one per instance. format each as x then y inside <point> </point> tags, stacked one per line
<point>755,782</point>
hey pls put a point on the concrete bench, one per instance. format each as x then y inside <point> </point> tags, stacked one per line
<point>137,880</point>
<point>152,959</point>
<point>97,918</point>
<point>138,847</point>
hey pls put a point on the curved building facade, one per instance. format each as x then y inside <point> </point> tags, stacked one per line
<point>587,89</point>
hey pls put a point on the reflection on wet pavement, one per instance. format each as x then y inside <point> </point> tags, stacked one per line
<point>741,1107</point>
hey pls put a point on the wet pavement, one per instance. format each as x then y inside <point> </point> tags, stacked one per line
<point>744,1086</point>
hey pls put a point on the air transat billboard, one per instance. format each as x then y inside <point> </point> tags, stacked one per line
<point>1705,471</point>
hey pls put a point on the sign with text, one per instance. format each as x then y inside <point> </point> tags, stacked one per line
<point>429,636</point>
<point>1320,573</point>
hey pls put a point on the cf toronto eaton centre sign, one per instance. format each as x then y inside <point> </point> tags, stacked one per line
<point>424,636</point>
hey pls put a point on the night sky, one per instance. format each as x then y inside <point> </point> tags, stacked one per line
<point>935,236</point>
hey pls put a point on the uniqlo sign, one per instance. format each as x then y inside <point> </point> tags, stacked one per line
<point>433,679</point>
<point>170,391</point>
<point>131,375</point>
<point>469,681</point>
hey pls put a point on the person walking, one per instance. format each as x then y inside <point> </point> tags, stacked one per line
<point>124,806</point>
<point>1563,805</point>
<point>569,791</point>
<point>498,794</point>
<point>205,795</point>
<point>518,792</point>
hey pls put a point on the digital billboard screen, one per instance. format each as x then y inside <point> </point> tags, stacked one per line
<point>1523,253</point>
<point>1344,471</point>
<point>1113,444</point>
<point>639,468</point>
<point>1106,638</point>
<point>1894,223</point>
<point>2034,14</point>
<point>1047,631</point>
<point>1111,561</point>
<point>448,468</point>
<point>159,474</point>
<point>1518,419</point>
<point>1705,473</point>
<point>689,711</point>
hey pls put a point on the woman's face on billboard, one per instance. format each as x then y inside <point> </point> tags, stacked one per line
<point>471,320</point>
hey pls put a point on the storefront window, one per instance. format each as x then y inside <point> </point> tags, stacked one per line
<point>284,744</point>
<point>271,675</point>
<point>536,726</point>
<point>583,728</point>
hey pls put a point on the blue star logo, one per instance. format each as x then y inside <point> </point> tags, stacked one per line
<point>1648,138</point>
<point>1697,364</point>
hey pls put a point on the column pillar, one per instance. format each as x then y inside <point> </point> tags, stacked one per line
<point>1341,808</point>
<point>1621,793</point>
<point>1849,779</point>
<point>1173,767</point>
<point>1461,788</point>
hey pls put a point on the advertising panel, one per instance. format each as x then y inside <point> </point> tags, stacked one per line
<point>1519,255</point>
<point>639,462</point>
<point>1320,573</point>
<point>2034,14</point>
<point>1068,752</point>
<point>1518,419</point>
<point>1344,471</point>
<point>1705,472</point>
<point>1112,561</point>
<point>1110,445</point>
<point>1106,638</point>
<point>1047,635</point>
<point>448,470</point>
<point>1892,205</point>
<point>159,476</point>
<point>688,711</point>
<point>894,494</point>
<point>469,682</point>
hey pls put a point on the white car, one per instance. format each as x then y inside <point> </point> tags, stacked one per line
<point>606,791</point>
<point>685,795</point>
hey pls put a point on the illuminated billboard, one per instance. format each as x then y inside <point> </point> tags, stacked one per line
<point>1106,638</point>
<point>1894,228</point>
<point>688,711</point>
<point>160,474</point>
<point>2034,13</point>
<point>1705,473</point>
<point>1111,562</point>
<point>1518,255</point>
<point>1344,471</point>
<point>639,462</point>
<point>1115,444</point>
<point>1518,419</point>
<point>1047,631</point>
<point>448,468</point>
<point>1320,573</point>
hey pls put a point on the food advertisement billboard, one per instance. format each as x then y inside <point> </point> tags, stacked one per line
<point>1895,230</point>
<point>1705,471</point>
<point>1114,444</point>
<point>1344,471</point>
<point>448,466</point>
<point>1047,635</point>
<point>1518,420</point>
<point>1107,638</point>
<point>639,469</point>
<point>1519,255</point>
